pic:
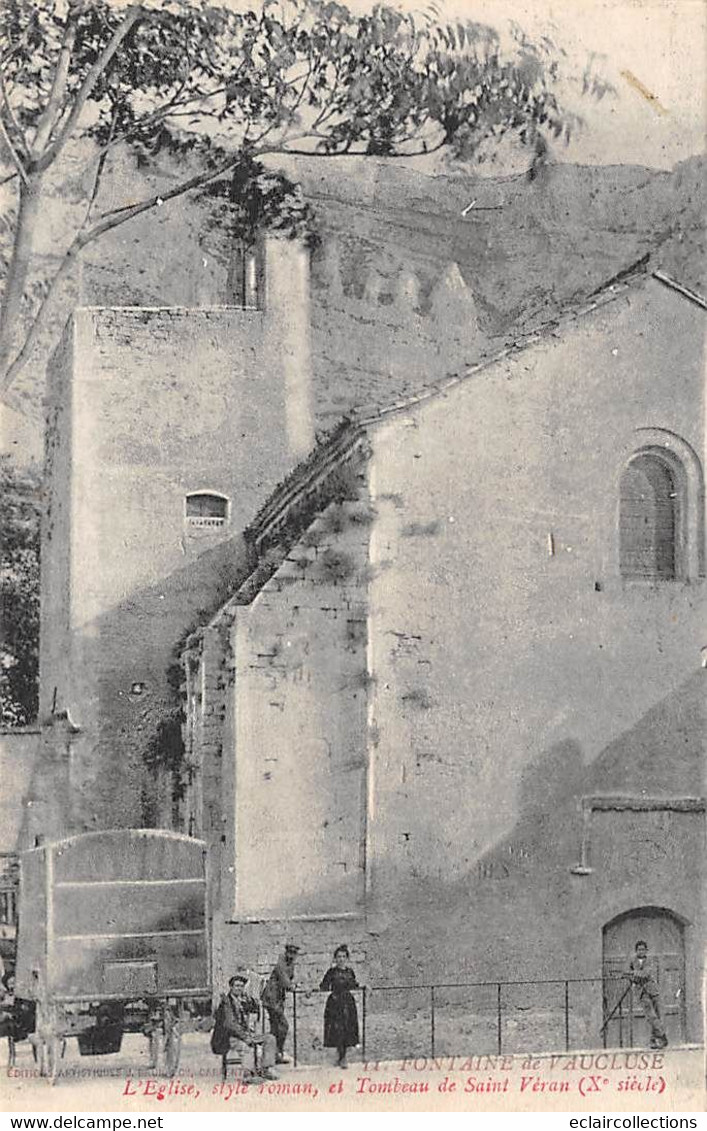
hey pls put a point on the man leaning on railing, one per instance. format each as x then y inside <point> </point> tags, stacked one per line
<point>643,976</point>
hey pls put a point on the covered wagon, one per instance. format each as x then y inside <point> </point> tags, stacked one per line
<point>113,937</point>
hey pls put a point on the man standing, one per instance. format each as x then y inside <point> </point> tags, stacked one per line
<point>280,981</point>
<point>644,979</point>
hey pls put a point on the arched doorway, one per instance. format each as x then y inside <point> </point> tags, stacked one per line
<point>625,1021</point>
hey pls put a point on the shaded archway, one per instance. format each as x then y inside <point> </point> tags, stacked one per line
<point>651,509</point>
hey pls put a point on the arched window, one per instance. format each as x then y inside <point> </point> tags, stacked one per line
<point>206,508</point>
<point>650,518</point>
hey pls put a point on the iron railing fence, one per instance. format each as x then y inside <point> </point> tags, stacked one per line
<point>494,1018</point>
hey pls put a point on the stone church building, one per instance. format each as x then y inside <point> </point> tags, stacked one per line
<point>432,684</point>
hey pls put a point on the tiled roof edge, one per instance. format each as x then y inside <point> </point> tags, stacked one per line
<point>306,478</point>
<point>328,453</point>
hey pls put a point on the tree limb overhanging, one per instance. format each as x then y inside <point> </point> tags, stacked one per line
<point>217,88</point>
<point>87,87</point>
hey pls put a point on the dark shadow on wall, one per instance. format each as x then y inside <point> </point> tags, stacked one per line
<point>519,911</point>
<point>131,655</point>
<point>664,751</point>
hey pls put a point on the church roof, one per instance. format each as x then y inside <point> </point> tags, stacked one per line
<point>316,481</point>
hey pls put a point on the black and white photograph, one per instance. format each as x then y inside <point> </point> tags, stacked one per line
<point>353,664</point>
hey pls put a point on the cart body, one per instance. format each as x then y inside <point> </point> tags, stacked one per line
<point>113,935</point>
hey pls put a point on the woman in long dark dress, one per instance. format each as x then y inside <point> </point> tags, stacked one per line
<point>340,1014</point>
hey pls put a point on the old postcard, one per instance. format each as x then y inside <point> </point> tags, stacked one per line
<point>353,657</point>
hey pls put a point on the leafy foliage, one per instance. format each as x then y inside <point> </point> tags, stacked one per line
<point>165,751</point>
<point>374,82</point>
<point>218,88</point>
<point>254,199</point>
<point>19,596</point>
<point>187,75</point>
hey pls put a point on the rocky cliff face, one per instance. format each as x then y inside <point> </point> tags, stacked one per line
<point>416,275</point>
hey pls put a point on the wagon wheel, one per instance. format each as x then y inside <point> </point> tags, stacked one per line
<point>50,1052</point>
<point>156,1049</point>
<point>172,1050</point>
<point>55,1051</point>
<point>44,1055</point>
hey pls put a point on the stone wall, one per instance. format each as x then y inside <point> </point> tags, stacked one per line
<point>513,676</point>
<point>299,722</point>
<point>276,731</point>
<point>523,653</point>
<point>147,405</point>
<point>516,670</point>
<point>389,330</point>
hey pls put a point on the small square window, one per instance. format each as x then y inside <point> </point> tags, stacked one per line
<point>206,509</point>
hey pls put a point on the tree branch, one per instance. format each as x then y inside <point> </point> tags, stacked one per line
<point>361,152</point>
<point>332,104</point>
<point>99,173</point>
<point>40,318</point>
<point>118,216</point>
<point>132,16</point>
<point>303,89</point>
<point>19,134</point>
<point>83,239</point>
<point>28,207</point>
<point>58,89</point>
<point>13,153</point>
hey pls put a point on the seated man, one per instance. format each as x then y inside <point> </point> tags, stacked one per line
<point>233,1031</point>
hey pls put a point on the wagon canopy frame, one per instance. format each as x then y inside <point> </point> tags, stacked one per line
<point>114,915</point>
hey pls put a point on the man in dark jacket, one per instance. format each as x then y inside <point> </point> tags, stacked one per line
<point>277,986</point>
<point>643,976</point>
<point>232,1029</point>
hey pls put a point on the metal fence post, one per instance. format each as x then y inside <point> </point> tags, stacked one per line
<point>630,1017</point>
<point>499,1017</point>
<point>620,1013</point>
<point>621,1024</point>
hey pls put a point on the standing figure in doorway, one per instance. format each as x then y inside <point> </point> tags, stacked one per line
<point>643,973</point>
<point>277,986</point>
<point>340,1015</point>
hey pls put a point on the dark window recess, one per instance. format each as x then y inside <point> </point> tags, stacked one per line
<point>648,520</point>
<point>206,510</point>
<point>246,276</point>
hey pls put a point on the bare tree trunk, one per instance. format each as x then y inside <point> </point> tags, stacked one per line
<point>40,319</point>
<point>22,253</point>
